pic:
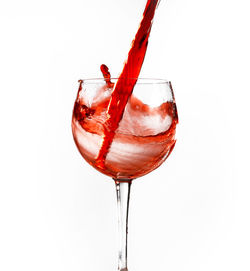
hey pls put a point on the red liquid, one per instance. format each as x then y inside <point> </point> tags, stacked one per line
<point>124,87</point>
<point>117,133</point>
<point>142,142</point>
<point>106,75</point>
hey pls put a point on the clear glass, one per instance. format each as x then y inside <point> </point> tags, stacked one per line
<point>143,140</point>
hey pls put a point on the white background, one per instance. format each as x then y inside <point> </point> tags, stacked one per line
<point>59,214</point>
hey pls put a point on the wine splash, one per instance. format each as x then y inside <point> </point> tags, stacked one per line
<point>126,81</point>
<point>145,136</point>
<point>106,74</point>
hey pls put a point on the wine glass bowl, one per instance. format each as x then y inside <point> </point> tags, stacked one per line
<point>146,133</point>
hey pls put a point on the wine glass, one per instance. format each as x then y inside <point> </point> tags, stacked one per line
<point>143,140</point>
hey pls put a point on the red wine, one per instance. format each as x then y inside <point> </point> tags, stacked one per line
<point>106,75</point>
<point>142,142</point>
<point>126,81</point>
<point>118,133</point>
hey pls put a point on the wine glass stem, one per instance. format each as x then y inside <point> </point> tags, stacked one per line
<point>123,193</point>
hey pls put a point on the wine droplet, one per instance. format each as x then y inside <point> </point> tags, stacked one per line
<point>106,75</point>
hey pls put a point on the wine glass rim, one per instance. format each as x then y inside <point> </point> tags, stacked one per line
<point>140,80</point>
